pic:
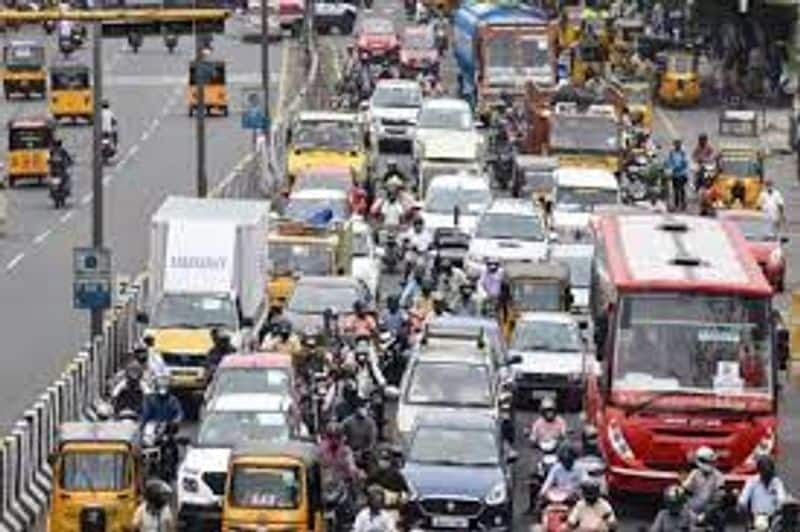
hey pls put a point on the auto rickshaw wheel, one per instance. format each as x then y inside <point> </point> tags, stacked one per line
<point>10,182</point>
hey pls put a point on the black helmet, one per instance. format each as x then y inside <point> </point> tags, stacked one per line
<point>703,137</point>
<point>765,465</point>
<point>106,105</point>
<point>285,327</point>
<point>133,371</point>
<point>567,454</point>
<point>590,488</point>
<point>393,301</point>
<point>358,306</point>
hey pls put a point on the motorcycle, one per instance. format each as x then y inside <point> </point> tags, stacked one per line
<point>339,504</point>
<point>786,519</point>
<point>171,42</point>
<point>392,252</point>
<point>66,45</point>
<point>634,186</point>
<point>108,148</point>
<point>558,504</point>
<point>160,450</point>
<point>59,191</point>
<point>504,164</point>
<point>548,457</point>
<point>135,41</point>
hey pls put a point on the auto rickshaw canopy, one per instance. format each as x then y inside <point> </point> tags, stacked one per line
<point>30,133</point>
<point>298,451</point>
<point>738,123</point>
<point>99,432</point>
<point>23,54</point>
<point>70,76</point>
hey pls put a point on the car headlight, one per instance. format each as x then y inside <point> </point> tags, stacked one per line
<point>775,257</point>
<point>618,442</point>
<point>190,484</point>
<point>497,495</point>
<point>763,447</point>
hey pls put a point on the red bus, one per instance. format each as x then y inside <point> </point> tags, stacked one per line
<point>685,336</point>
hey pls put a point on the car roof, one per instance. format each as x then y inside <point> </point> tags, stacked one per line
<point>456,420</point>
<point>512,206</point>
<point>247,402</point>
<point>459,324</point>
<point>585,178</point>
<point>102,431</point>
<point>446,103</point>
<point>549,317</point>
<point>326,116</point>
<point>256,361</point>
<point>462,352</point>
<point>465,181</point>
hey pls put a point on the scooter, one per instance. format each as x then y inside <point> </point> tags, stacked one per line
<point>135,41</point>
<point>59,191</point>
<point>171,42</point>
<point>556,510</point>
<point>108,148</point>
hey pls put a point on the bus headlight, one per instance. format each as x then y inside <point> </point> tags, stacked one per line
<point>762,448</point>
<point>618,442</point>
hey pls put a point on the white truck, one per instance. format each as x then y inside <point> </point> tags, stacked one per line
<point>207,270</point>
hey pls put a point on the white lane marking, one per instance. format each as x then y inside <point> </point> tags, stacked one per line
<point>145,135</point>
<point>42,237</point>
<point>155,124</point>
<point>85,200</point>
<point>66,216</point>
<point>671,129</point>
<point>13,262</point>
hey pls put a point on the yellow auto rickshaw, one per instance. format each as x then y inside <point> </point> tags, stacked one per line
<point>678,80</point>
<point>96,476</point>
<point>71,92</point>
<point>214,92</point>
<point>637,94</point>
<point>24,72</point>
<point>533,286</point>
<point>29,143</point>
<point>279,484</point>
<point>740,164</point>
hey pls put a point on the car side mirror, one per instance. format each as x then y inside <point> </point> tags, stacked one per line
<point>142,318</point>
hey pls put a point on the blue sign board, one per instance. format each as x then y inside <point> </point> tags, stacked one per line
<point>91,287</point>
<point>253,115</point>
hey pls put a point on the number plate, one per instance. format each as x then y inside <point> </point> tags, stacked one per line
<point>449,521</point>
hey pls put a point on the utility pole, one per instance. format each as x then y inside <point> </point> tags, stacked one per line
<point>97,156</point>
<point>200,112</point>
<point>265,58</point>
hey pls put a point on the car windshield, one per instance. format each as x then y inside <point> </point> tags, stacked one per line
<point>449,446</point>
<point>303,209</point>
<point>251,380</point>
<point>536,295</point>
<point>397,96</point>
<point>314,299</point>
<point>584,199</point>
<point>306,258</point>
<point>95,471</point>
<point>194,311</point>
<point>228,429</point>
<point>377,26</point>
<point>509,226</point>
<point>265,487</point>
<point>450,384</point>
<point>553,336</point>
<point>584,134</point>
<point>757,228</point>
<point>442,199</point>
<point>336,136</point>
<point>361,244</point>
<point>418,40</point>
<point>740,167</point>
<point>694,343</point>
<point>438,118</point>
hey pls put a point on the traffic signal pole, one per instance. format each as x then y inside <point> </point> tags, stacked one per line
<point>200,114</point>
<point>97,157</point>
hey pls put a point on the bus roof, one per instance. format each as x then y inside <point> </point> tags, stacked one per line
<point>658,252</point>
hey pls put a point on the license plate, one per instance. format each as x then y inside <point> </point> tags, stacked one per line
<point>543,394</point>
<point>449,521</point>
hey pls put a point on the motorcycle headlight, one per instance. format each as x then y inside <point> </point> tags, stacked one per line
<point>497,495</point>
<point>763,447</point>
<point>618,442</point>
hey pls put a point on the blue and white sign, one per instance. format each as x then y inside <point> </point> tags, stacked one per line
<point>91,287</point>
<point>253,116</point>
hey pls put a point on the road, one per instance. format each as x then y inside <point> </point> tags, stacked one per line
<point>156,158</point>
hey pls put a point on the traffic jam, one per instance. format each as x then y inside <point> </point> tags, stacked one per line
<point>491,292</point>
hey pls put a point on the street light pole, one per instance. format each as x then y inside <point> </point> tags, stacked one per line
<point>97,156</point>
<point>200,114</point>
<point>265,57</point>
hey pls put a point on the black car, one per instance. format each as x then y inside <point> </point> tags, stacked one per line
<point>458,472</point>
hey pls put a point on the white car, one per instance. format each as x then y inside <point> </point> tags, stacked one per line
<point>577,192</point>
<point>449,118</point>
<point>228,420</point>
<point>274,30</point>
<point>509,230</point>
<point>554,359</point>
<point>366,265</point>
<point>393,109</point>
<point>471,194</point>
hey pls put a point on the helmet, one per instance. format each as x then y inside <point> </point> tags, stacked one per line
<point>765,465</point>
<point>285,327</point>
<point>705,457</point>
<point>334,429</point>
<point>149,340</point>
<point>567,455</point>
<point>590,488</point>
<point>547,404</point>
<point>106,105</point>
<point>133,371</point>
<point>358,306</point>
<point>393,301</point>
<point>418,221</point>
<point>702,138</point>
<point>673,497</point>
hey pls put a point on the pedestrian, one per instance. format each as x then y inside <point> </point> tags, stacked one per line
<point>770,201</point>
<point>678,165</point>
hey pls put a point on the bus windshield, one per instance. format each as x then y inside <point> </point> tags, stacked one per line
<point>691,343</point>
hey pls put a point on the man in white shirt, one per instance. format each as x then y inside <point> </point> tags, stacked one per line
<point>770,201</point>
<point>374,518</point>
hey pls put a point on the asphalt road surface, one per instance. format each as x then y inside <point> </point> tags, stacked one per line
<point>147,92</point>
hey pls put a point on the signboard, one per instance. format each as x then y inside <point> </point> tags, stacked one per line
<point>199,257</point>
<point>253,116</point>
<point>91,286</point>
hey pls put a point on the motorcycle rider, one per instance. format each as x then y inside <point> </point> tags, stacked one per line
<point>360,432</point>
<point>130,392</point>
<point>703,487</point>
<point>391,210</point>
<point>360,323</point>
<point>490,282</point>
<point>60,161</point>
<point>440,306</point>
<point>466,304</point>
<point>549,425</point>
<point>387,474</point>
<point>108,121</point>
<point>450,277</point>
<point>592,512</point>
<point>284,341</point>
<point>703,154</point>
<point>423,305</point>
<point>563,475</point>
<point>222,347</point>
<point>154,514</point>
<point>763,493</point>
<point>368,375</point>
<point>413,287</point>
<point>162,406</point>
<point>336,457</point>
<point>374,518</point>
<point>417,241</point>
<point>155,365</point>
<point>395,317</point>
<point>590,443</point>
<point>675,516</point>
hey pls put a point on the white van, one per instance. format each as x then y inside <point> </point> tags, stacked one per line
<point>576,194</point>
